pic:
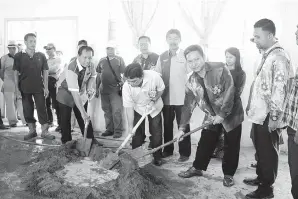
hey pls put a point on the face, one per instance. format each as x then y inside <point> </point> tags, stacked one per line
<point>50,52</point>
<point>31,43</point>
<point>296,33</point>
<point>135,82</point>
<point>144,45</point>
<point>12,50</point>
<point>85,58</point>
<point>262,38</point>
<point>110,52</point>
<point>230,59</point>
<point>173,40</point>
<point>195,61</point>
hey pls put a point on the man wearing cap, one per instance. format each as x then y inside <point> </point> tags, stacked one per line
<point>32,83</point>
<point>55,68</point>
<point>74,88</point>
<point>109,69</point>
<point>12,101</point>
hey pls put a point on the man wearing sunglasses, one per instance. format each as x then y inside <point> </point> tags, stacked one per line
<point>55,68</point>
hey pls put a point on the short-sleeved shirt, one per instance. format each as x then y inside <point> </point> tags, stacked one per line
<point>138,97</point>
<point>108,81</point>
<point>148,63</point>
<point>31,71</point>
<point>74,78</point>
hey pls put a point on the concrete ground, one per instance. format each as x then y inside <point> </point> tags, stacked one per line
<point>13,154</point>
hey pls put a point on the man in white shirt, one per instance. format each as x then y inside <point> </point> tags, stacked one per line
<point>142,94</point>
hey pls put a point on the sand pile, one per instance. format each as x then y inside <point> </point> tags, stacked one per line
<point>41,176</point>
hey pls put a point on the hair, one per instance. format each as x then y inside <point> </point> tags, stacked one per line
<point>192,48</point>
<point>133,70</point>
<point>86,48</point>
<point>174,31</point>
<point>83,41</point>
<point>144,37</point>
<point>266,25</point>
<point>235,52</point>
<point>29,35</point>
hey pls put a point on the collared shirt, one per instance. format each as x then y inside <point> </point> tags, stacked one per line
<point>138,97</point>
<point>147,63</point>
<point>55,67</point>
<point>31,71</point>
<point>7,73</point>
<point>108,81</point>
<point>74,78</point>
<point>174,70</point>
<point>270,87</point>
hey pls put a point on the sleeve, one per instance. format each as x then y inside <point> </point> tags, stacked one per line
<point>45,63</point>
<point>157,67</point>
<point>126,94</point>
<point>280,77</point>
<point>122,65</point>
<point>159,83</point>
<point>17,62</point>
<point>228,93</point>
<point>98,68</point>
<point>187,109</point>
<point>93,71</point>
<point>72,81</point>
<point>242,80</point>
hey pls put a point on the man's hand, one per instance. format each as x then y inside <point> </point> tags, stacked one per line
<point>97,93</point>
<point>46,92</point>
<point>85,116</point>
<point>272,125</point>
<point>296,137</point>
<point>218,120</point>
<point>179,135</point>
<point>150,106</point>
<point>90,93</point>
<point>18,94</point>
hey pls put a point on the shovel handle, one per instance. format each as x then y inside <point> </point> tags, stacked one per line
<point>86,128</point>
<point>174,140</point>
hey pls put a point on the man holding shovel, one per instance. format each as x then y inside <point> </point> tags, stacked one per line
<point>142,95</point>
<point>211,86</point>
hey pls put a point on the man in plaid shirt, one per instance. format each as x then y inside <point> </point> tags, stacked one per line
<point>290,118</point>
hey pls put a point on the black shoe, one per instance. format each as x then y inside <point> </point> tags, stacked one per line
<point>3,127</point>
<point>157,162</point>
<point>107,133</point>
<point>260,194</point>
<point>252,181</point>
<point>228,181</point>
<point>183,158</point>
<point>166,154</point>
<point>117,135</point>
<point>13,125</point>
<point>191,172</point>
<point>254,165</point>
<point>58,129</point>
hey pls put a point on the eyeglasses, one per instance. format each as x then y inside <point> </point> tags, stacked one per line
<point>49,48</point>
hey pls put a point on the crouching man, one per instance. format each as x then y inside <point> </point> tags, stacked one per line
<point>211,86</point>
<point>142,94</point>
<point>74,86</point>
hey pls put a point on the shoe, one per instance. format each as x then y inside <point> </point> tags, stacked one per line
<point>58,129</point>
<point>3,127</point>
<point>260,194</point>
<point>228,181</point>
<point>252,181</point>
<point>253,165</point>
<point>191,172</point>
<point>166,154</point>
<point>45,132</point>
<point>183,158</point>
<point>107,133</point>
<point>157,162</point>
<point>29,136</point>
<point>13,125</point>
<point>96,142</point>
<point>117,135</point>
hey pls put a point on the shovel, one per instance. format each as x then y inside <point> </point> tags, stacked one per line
<point>112,159</point>
<point>140,152</point>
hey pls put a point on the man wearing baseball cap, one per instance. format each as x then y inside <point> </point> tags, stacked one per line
<point>109,69</point>
<point>55,69</point>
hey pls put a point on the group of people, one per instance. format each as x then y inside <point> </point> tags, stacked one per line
<point>169,85</point>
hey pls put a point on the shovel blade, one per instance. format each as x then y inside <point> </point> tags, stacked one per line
<point>84,146</point>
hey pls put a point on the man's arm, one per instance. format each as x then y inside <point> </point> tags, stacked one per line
<point>2,68</point>
<point>79,104</point>
<point>16,68</point>
<point>129,114</point>
<point>187,109</point>
<point>128,104</point>
<point>241,84</point>
<point>45,74</point>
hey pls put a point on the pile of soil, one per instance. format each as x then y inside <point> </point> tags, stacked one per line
<point>39,176</point>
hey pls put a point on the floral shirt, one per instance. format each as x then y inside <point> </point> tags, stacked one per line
<point>270,87</point>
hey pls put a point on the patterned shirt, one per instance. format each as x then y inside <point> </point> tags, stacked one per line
<point>269,89</point>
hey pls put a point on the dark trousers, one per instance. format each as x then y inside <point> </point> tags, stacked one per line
<point>267,147</point>
<point>112,107</point>
<point>207,144</point>
<point>155,130</point>
<point>169,112</point>
<point>51,100</point>
<point>28,107</point>
<point>65,113</point>
<point>1,121</point>
<point>293,161</point>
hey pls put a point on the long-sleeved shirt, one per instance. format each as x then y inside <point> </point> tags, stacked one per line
<point>270,87</point>
<point>7,73</point>
<point>214,93</point>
